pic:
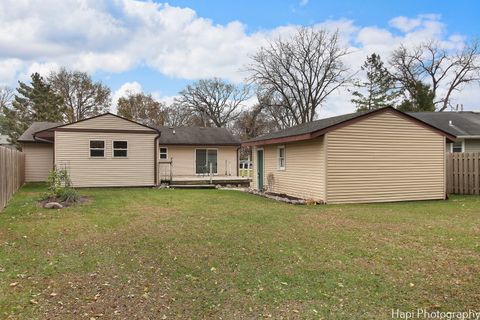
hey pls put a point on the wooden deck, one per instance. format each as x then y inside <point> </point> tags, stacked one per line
<point>207,180</point>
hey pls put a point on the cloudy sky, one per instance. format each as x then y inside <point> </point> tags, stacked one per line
<point>159,47</point>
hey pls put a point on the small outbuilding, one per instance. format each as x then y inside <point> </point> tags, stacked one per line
<point>377,156</point>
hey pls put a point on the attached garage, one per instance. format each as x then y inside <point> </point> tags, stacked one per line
<point>377,156</point>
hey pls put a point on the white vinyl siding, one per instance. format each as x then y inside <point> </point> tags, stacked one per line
<point>86,171</point>
<point>107,121</point>
<point>472,145</point>
<point>183,160</point>
<point>38,161</point>
<point>385,157</point>
<point>304,174</point>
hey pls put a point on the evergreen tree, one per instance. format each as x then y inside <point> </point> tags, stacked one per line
<point>34,102</point>
<point>421,98</point>
<point>377,91</point>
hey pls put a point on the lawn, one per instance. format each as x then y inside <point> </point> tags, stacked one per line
<point>163,254</point>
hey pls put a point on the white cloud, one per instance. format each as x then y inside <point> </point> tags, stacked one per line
<point>405,24</point>
<point>124,90</point>
<point>119,35</point>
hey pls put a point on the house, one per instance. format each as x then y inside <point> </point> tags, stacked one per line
<point>465,125</point>
<point>377,156</point>
<point>108,150</point>
<point>187,152</point>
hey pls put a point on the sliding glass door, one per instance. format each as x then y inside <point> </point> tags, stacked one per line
<point>203,158</point>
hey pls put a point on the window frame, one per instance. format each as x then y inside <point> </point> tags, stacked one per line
<point>90,148</point>
<point>463,146</point>
<point>206,155</point>
<point>113,149</point>
<point>284,158</point>
<point>160,153</point>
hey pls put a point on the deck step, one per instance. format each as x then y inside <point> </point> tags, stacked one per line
<point>193,186</point>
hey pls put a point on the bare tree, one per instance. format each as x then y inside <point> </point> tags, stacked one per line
<point>299,73</point>
<point>213,100</point>
<point>82,96</point>
<point>254,122</point>
<point>177,115</point>
<point>6,96</point>
<point>142,108</point>
<point>442,71</point>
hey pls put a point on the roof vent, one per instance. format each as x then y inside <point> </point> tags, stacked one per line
<point>173,131</point>
<point>450,123</point>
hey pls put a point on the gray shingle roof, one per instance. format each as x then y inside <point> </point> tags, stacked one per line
<point>183,135</point>
<point>463,123</point>
<point>305,128</point>
<point>332,121</point>
<point>27,136</point>
<point>197,136</point>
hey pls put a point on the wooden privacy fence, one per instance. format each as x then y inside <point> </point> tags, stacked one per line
<point>12,173</point>
<point>463,173</point>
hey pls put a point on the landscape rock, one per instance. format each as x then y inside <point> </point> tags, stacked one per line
<point>53,205</point>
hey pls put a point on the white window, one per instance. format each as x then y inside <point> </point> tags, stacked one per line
<point>163,153</point>
<point>97,148</point>
<point>281,158</point>
<point>120,149</point>
<point>458,146</point>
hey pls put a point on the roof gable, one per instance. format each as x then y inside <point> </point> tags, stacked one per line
<point>107,121</point>
<point>320,127</point>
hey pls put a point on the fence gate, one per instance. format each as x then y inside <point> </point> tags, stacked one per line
<point>463,173</point>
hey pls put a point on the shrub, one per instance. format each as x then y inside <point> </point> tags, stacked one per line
<point>60,186</point>
<point>68,195</point>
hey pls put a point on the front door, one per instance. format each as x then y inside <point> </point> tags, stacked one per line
<point>260,169</point>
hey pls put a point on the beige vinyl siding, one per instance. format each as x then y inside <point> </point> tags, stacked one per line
<point>72,151</point>
<point>472,145</point>
<point>385,158</point>
<point>38,161</point>
<point>183,158</point>
<point>303,175</point>
<point>107,121</point>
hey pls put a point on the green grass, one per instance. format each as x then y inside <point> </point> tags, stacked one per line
<point>146,253</point>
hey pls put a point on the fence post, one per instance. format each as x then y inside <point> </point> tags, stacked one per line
<point>211,172</point>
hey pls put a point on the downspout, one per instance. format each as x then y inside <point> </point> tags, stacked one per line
<point>155,157</point>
